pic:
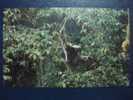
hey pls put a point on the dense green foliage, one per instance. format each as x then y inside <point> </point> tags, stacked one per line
<point>33,53</point>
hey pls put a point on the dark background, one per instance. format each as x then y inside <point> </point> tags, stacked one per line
<point>110,93</point>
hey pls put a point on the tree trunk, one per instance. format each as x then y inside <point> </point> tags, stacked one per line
<point>40,72</point>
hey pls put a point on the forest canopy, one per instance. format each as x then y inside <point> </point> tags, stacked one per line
<point>65,47</point>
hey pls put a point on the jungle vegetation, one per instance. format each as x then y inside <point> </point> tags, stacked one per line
<point>66,47</point>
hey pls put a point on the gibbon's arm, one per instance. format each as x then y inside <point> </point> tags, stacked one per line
<point>64,49</point>
<point>63,44</point>
<point>126,42</point>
